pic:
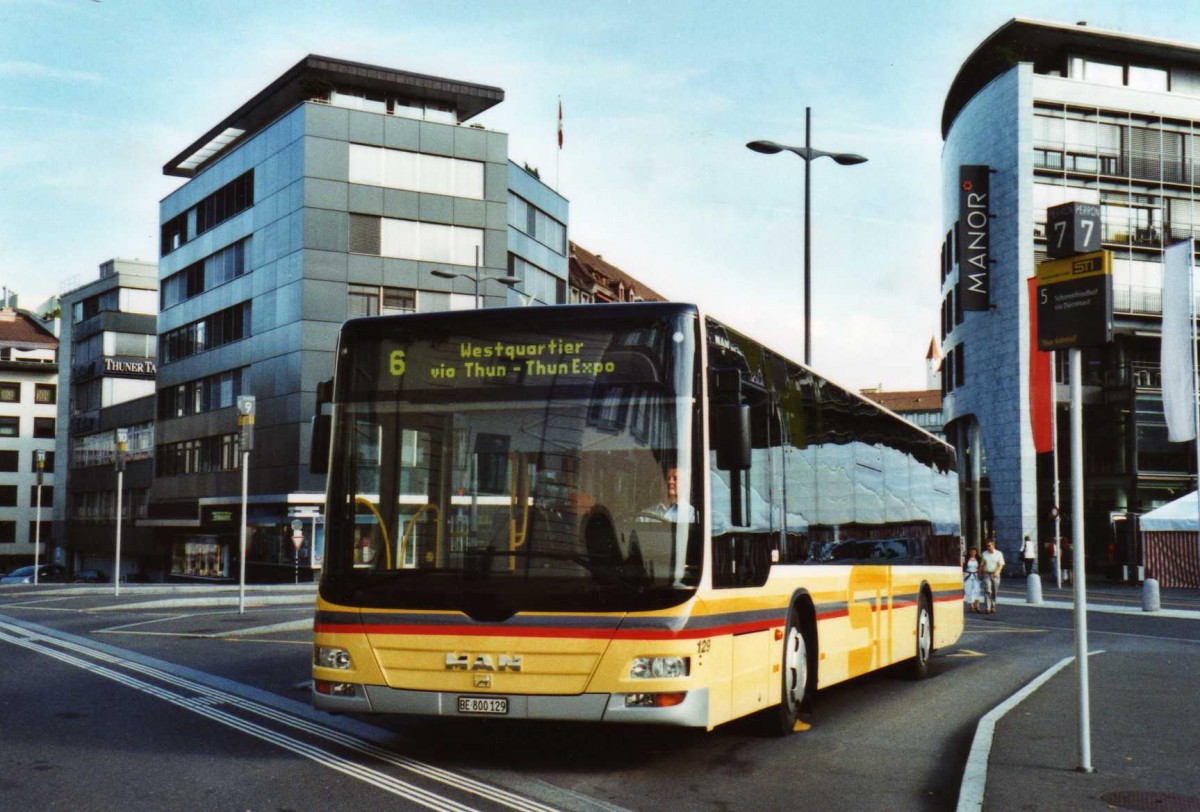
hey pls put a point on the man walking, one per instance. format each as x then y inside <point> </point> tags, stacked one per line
<point>1029,555</point>
<point>993,565</point>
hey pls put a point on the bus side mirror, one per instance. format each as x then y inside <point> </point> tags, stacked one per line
<point>733,437</point>
<point>322,429</point>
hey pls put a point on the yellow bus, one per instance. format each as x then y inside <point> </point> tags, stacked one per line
<point>617,513</point>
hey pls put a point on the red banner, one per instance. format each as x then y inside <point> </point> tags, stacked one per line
<point>1041,382</point>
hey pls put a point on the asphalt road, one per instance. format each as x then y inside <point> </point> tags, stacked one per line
<point>109,703</point>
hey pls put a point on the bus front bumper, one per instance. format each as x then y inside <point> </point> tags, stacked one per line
<point>691,712</point>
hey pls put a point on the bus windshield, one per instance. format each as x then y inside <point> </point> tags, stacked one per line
<point>494,467</point>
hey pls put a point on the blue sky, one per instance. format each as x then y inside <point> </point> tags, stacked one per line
<point>658,101</point>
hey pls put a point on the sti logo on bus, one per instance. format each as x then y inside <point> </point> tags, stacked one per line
<point>974,237</point>
<point>482,662</point>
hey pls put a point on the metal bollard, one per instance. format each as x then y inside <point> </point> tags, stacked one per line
<point>1150,598</point>
<point>1033,588</point>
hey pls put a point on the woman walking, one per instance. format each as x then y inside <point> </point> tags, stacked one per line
<point>972,589</point>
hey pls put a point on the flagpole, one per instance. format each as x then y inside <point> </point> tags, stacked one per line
<point>1195,376</point>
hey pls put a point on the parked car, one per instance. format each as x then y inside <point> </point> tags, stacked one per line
<point>91,577</point>
<point>47,574</point>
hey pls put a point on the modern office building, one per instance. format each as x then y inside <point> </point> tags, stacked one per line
<point>340,190</point>
<point>28,396</point>
<point>1040,114</point>
<point>109,361</point>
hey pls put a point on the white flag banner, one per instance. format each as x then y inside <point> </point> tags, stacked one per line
<point>1178,381</point>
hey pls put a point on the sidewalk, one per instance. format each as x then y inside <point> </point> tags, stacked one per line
<point>1145,722</point>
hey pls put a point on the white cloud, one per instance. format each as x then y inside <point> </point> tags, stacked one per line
<point>36,70</point>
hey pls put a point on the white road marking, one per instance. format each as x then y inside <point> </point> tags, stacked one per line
<point>208,697</point>
<point>970,793</point>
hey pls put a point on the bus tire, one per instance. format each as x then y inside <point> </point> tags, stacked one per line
<point>919,665</point>
<point>794,711</point>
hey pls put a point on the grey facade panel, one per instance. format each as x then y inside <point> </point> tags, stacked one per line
<point>401,204</point>
<point>437,139</point>
<point>402,133</point>
<point>325,230</point>
<point>435,208</point>
<point>470,143</point>
<point>325,158</point>
<point>365,199</point>
<point>366,128</point>
<point>325,121</point>
<point>364,270</point>
<point>332,266</point>
<point>472,213</point>
<point>326,194</point>
<point>400,273</point>
<point>324,301</point>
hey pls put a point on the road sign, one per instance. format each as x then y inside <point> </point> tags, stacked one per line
<point>1074,302</point>
<point>1072,228</point>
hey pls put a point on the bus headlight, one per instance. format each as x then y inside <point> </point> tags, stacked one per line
<point>333,658</point>
<point>659,667</point>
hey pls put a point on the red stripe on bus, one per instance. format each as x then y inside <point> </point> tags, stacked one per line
<point>549,631</point>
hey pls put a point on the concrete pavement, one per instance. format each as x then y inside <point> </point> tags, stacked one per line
<point>1145,721</point>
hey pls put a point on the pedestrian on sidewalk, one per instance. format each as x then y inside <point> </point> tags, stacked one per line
<point>972,586</point>
<point>993,565</point>
<point>1068,561</point>
<point>1029,555</point>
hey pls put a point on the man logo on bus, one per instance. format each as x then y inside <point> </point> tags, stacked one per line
<point>482,662</point>
<point>397,362</point>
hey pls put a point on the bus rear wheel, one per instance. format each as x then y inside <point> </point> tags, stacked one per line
<point>794,710</point>
<point>919,665</point>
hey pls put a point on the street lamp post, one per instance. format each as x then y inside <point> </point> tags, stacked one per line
<point>39,461</point>
<point>809,154</point>
<point>245,421</point>
<point>476,278</point>
<point>121,442</point>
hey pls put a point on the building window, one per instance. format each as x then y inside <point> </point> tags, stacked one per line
<point>231,199</point>
<point>10,392</point>
<point>210,272</point>
<point>202,456</point>
<point>218,391</point>
<point>541,284</point>
<point>215,330</point>
<point>173,233</point>
<point>409,239</point>
<point>43,427</point>
<point>10,426</point>
<point>47,496</point>
<point>373,300</point>
<point>8,495</point>
<point>45,393</point>
<point>415,171</point>
<point>10,461</point>
<point>8,532</point>
<point>532,221</point>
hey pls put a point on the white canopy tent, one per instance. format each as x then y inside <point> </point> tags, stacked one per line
<point>1173,516</point>
<point>1169,543</point>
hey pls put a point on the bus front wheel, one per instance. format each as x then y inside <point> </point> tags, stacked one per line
<point>919,666</point>
<point>794,711</point>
